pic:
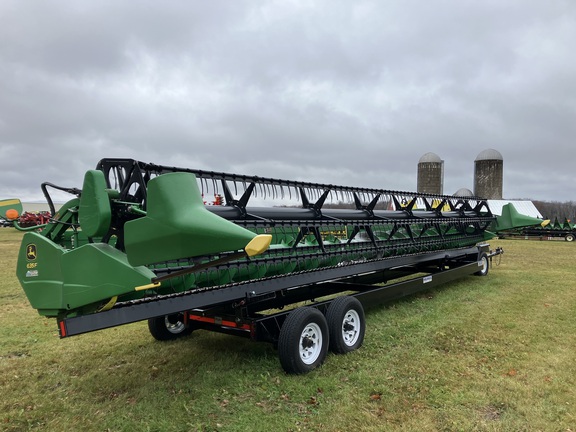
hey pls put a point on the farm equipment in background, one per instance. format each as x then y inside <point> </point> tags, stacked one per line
<point>137,242</point>
<point>543,231</point>
<point>511,219</point>
<point>10,210</point>
<point>34,219</point>
<point>555,231</point>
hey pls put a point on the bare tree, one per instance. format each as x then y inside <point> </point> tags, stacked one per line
<point>557,210</point>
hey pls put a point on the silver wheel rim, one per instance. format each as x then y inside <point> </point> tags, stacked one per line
<point>351,327</point>
<point>484,264</point>
<point>310,343</point>
<point>177,327</point>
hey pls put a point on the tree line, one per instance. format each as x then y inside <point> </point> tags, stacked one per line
<point>556,209</point>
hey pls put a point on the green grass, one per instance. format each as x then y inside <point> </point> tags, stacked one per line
<point>479,354</point>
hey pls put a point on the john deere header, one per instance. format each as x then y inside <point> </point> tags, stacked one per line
<point>141,230</point>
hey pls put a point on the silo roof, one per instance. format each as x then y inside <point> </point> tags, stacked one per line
<point>430,157</point>
<point>463,192</point>
<point>489,154</point>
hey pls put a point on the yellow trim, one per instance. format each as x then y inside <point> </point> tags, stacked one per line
<point>545,222</point>
<point>258,244</point>
<point>145,287</point>
<point>9,202</point>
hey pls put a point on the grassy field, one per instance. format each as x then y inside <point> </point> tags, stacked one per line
<point>489,353</point>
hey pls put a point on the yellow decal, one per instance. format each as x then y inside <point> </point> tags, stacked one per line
<point>31,252</point>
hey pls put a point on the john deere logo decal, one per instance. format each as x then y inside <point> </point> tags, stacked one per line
<point>31,252</point>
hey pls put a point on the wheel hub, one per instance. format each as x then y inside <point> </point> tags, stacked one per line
<point>307,342</point>
<point>350,331</point>
<point>310,343</point>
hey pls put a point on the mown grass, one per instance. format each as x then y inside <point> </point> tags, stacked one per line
<point>478,354</point>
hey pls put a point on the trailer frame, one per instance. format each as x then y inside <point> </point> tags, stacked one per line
<point>260,309</point>
<point>529,233</point>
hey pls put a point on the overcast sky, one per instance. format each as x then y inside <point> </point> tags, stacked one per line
<point>349,93</point>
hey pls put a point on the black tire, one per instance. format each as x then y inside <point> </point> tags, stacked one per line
<point>569,237</point>
<point>346,324</point>
<point>303,340</point>
<point>484,265</point>
<point>169,327</point>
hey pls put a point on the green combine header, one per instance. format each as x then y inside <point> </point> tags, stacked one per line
<point>140,242</point>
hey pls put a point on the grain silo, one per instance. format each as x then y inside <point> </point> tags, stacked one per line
<point>488,174</point>
<point>430,174</point>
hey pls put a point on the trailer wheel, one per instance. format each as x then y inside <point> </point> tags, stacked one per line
<point>303,340</point>
<point>169,327</point>
<point>569,237</point>
<point>484,265</point>
<point>346,324</point>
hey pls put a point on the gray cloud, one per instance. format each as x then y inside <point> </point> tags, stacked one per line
<point>320,91</point>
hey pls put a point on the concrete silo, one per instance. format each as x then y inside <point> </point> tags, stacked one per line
<point>488,174</point>
<point>430,174</point>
